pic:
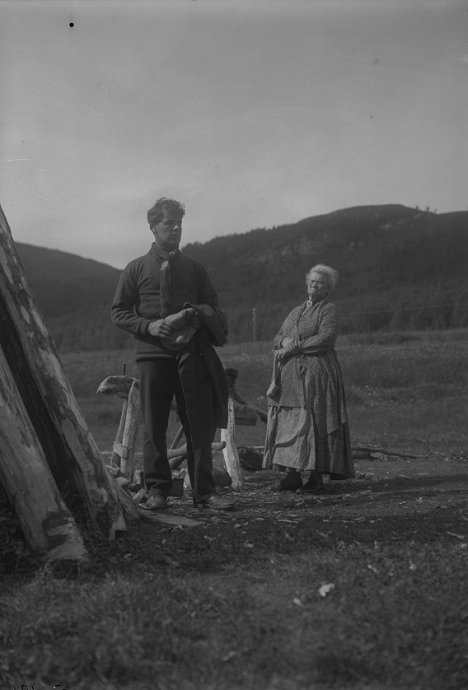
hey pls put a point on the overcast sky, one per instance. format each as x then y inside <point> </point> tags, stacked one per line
<point>252,113</point>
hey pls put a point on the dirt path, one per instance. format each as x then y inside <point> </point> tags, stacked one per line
<point>390,499</point>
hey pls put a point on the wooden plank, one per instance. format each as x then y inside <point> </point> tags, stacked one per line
<point>167,518</point>
<point>123,451</point>
<point>130,428</point>
<point>230,454</point>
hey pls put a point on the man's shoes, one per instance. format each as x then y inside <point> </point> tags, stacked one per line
<point>311,488</point>
<point>291,482</point>
<point>156,500</point>
<point>215,502</point>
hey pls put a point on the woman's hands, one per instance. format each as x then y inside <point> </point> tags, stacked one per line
<point>288,348</point>
<point>282,354</point>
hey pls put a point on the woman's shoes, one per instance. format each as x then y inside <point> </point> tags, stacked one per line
<point>311,487</point>
<point>291,482</point>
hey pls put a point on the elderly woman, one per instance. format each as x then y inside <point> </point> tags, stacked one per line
<point>307,429</point>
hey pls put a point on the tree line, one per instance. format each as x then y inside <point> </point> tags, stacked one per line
<point>415,308</point>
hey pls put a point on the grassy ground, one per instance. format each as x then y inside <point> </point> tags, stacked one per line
<point>363,587</point>
<point>404,390</point>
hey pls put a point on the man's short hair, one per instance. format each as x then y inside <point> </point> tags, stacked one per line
<point>156,212</point>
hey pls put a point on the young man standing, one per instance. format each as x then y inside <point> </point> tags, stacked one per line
<point>167,301</point>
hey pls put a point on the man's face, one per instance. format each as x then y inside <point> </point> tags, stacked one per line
<point>168,231</point>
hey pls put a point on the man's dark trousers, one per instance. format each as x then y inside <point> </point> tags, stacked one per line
<point>159,383</point>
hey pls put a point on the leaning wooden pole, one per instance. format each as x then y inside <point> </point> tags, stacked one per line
<point>231,456</point>
<point>48,526</point>
<point>123,451</point>
<point>71,452</point>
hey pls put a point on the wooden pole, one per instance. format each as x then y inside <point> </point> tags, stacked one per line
<point>177,438</point>
<point>123,451</point>
<point>127,464</point>
<point>231,456</point>
<point>47,524</point>
<point>254,325</point>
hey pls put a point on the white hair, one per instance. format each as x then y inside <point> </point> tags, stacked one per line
<point>331,275</point>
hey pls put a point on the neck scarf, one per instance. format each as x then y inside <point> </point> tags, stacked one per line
<point>165,276</point>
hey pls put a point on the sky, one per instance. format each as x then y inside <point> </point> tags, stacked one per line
<point>253,113</point>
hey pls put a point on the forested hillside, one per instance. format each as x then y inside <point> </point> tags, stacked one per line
<point>401,268</point>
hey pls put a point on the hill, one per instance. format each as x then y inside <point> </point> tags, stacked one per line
<point>74,294</point>
<point>64,283</point>
<point>400,268</point>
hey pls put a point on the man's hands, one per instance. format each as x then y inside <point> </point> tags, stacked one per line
<point>196,321</point>
<point>160,329</point>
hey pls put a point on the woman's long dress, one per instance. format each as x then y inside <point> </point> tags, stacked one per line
<point>307,426</point>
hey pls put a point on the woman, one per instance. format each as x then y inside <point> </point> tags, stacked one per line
<point>307,428</point>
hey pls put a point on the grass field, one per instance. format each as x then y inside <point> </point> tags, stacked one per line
<point>403,390</point>
<point>363,587</point>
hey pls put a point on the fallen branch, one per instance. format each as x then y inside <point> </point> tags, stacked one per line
<point>368,449</point>
<point>384,451</point>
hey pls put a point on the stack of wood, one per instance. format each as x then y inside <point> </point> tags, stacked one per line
<point>50,466</point>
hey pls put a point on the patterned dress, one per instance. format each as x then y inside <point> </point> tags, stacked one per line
<point>307,426</point>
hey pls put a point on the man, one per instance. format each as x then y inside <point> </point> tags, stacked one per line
<point>167,301</point>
